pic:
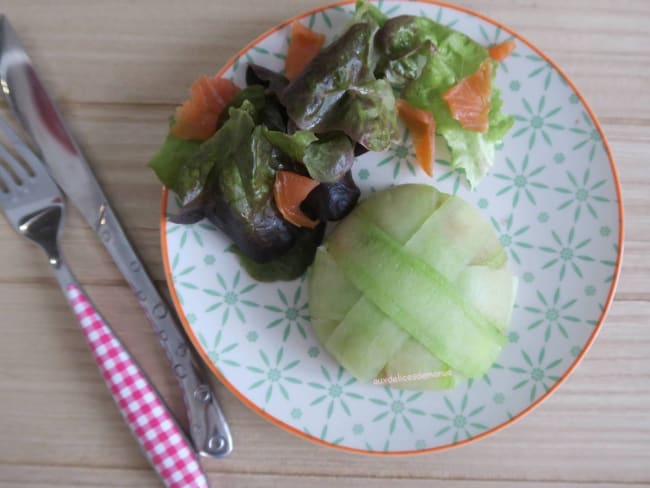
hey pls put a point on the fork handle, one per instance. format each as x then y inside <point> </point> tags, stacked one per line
<point>150,420</point>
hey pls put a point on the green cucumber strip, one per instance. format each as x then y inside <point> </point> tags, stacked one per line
<point>452,237</point>
<point>401,211</point>
<point>491,291</point>
<point>331,295</point>
<point>323,328</point>
<point>417,297</point>
<point>495,261</point>
<point>365,340</point>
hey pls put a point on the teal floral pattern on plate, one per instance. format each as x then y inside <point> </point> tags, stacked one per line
<point>552,200</point>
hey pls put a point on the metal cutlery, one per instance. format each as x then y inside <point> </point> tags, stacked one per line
<point>39,116</point>
<point>34,206</point>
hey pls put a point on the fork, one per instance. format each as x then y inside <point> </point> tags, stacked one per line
<point>34,206</point>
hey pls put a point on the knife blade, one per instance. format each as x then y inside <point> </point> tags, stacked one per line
<point>40,117</point>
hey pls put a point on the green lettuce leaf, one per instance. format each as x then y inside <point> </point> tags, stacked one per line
<point>405,43</point>
<point>365,11</point>
<point>399,72</point>
<point>225,143</point>
<point>471,152</point>
<point>293,145</point>
<point>499,121</point>
<point>329,158</point>
<point>169,159</point>
<point>266,110</point>
<point>457,57</point>
<point>462,54</point>
<point>326,157</point>
<point>368,115</point>
<point>426,92</point>
<point>255,94</point>
<point>474,151</point>
<point>238,197</point>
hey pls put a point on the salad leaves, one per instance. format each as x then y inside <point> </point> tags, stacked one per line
<point>254,94</point>
<point>167,161</point>
<point>293,145</point>
<point>332,201</point>
<point>311,98</point>
<point>455,57</point>
<point>404,35</point>
<point>338,91</point>
<point>499,121</point>
<point>329,158</point>
<point>367,114</point>
<point>326,157</point>
<point>266,108</point>
<point>259,75</point>
<point>342,104</point>
<point>290,265</point>
<point>367,12</point>
<point>470,151</point>
<point>224,144</point>
<point>239,198</point>
<point>403,51</point>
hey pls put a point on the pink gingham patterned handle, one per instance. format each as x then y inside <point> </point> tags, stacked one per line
<point>157,432</point>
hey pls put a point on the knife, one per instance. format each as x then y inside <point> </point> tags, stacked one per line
<point>39,116</point>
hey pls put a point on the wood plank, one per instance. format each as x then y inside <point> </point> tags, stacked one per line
<point>126,45</point>
<point>56,410</point>
<point>34,476</point>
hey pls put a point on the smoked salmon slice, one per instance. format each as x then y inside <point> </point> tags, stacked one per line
<point>197,118</point>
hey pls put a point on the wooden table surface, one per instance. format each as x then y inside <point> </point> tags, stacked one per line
<point>118,68</point>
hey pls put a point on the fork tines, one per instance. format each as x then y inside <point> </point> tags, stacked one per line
<point>13,172</point>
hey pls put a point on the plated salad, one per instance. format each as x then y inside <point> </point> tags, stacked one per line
<point>410,281</point>
<point>270,163</point>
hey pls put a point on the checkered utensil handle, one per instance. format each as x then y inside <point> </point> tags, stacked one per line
<point>158,434</point>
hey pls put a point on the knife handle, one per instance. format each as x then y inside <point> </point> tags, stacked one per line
<point>208,427</point>
<point>150,421</point>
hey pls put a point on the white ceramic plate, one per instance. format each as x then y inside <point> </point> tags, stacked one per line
<point>554,199</point>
